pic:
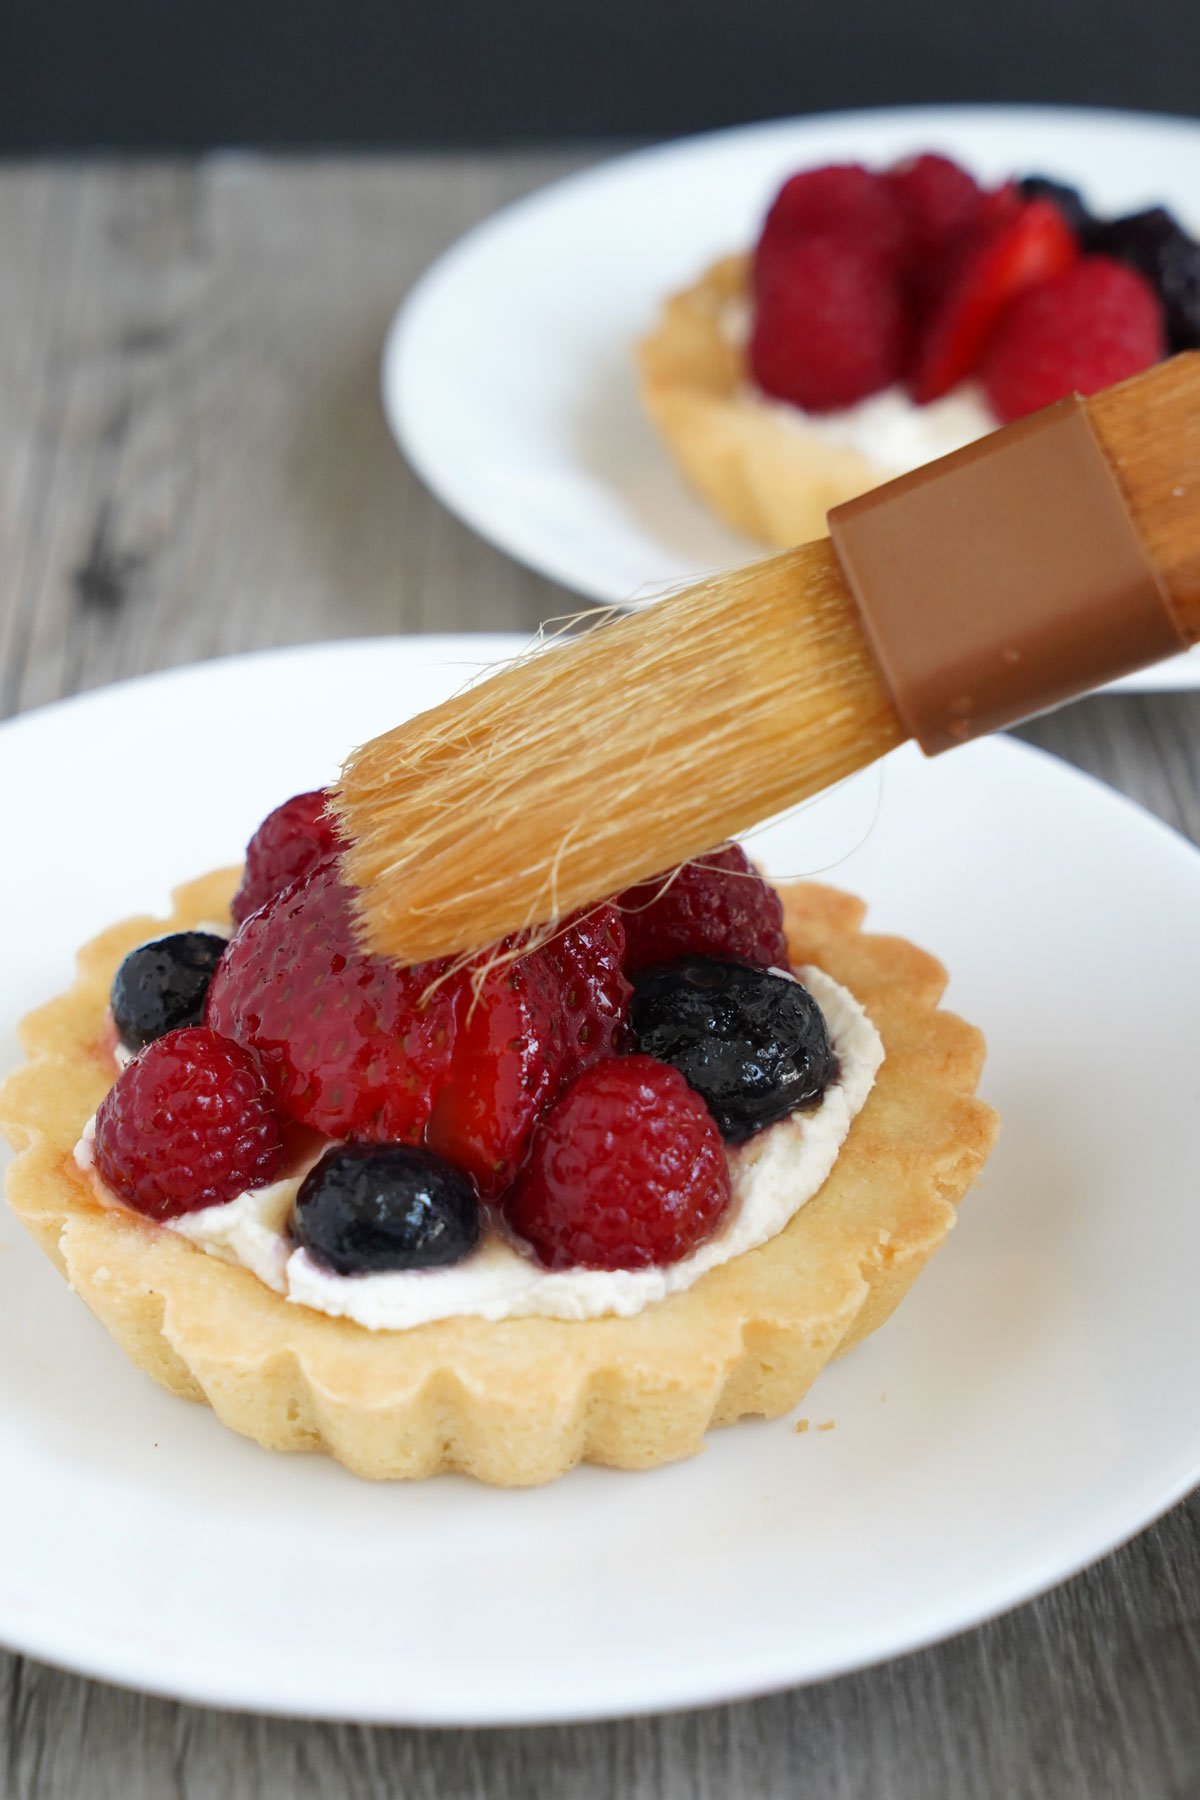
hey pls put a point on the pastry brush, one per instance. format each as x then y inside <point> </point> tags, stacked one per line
<point>1046,559</point>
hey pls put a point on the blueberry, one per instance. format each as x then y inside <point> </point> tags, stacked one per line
<point>752,1042</point>
<point>1068,200</point>
<point>369,1207</point>
<point>1155,243</point>
<point>161,986</point>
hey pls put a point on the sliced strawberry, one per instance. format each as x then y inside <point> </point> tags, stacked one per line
<point>506,1065</point>
<point>1016,247</point>
<point>350,1045</point>
<point>586,957</point>
<point>936,274</point>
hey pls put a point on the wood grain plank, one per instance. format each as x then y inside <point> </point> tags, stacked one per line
<point>193,462</point>
<point>193,458</point>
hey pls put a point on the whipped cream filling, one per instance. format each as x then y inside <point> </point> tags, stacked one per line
<point>771,1176</point>
<point>889,429</point>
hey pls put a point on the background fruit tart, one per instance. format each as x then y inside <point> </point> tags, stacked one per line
<point>886,318</point>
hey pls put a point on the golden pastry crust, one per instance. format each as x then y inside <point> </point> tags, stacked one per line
<point>762,474</point>
<point>522,1401</point>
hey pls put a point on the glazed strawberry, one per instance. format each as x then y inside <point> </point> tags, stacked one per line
<point>626,1170</point>
<point>532,1025</point>
<point>290,841</point>
<point>718,905</point>
<point>939,200</point>
<point>587,956</point>
<point>843,201</point>
<point>506,1065</point>
<point>1097,324</point>
<point>350,1044</point>
<point>1019,245</point>
<point>189,1123</point>
<point>831,324</point>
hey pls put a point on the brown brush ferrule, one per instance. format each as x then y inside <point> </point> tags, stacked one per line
<point>1002,580</point>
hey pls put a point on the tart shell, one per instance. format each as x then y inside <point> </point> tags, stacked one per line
<point>521,1401</point>
<point>762,474</point>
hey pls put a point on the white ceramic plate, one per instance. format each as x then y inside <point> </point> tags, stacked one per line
<point>1035,1400</point>
<point>508,375</point>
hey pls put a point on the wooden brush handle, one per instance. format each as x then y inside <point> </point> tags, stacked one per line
<point>1149,429</point>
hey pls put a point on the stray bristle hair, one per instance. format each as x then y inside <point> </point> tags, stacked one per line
<point>604,759</point>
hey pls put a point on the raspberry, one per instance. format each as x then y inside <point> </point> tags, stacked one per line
<point>1018,245</point>
<point>290,841</point>
<point>939,200</point>
<point>189,1123</point>
<point>831,324</point>
<point>843,201</point>
<point>625,1170</point>
<point>506,1064</point>
<point>1098,323</point>
<point>1155,243</point>
<point>718,905</point>
<point>350,1044</point>
<point>587,956</point>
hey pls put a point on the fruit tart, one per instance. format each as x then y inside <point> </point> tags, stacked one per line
<point>885,318</point>
<point>578,1198</point>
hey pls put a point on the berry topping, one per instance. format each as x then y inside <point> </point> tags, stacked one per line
<point>189,1123</point>
<point>506,1064</point>
<point>365,1208</point>
<point>527,1028</point>
<point>351,1045</point>
<point>290,842</point>
<point>161,986</point>
<point>587,957</point>
<point>626,1170</point>
<point>752,1042</point>
<point>1068,200</point>
<point>939,200</point>
<point>1098,323</point>
<point>831,324</point>
<point>718,905</point>
<point>843,201</point>
<point>1157,245</point>
<point>1015,250</point>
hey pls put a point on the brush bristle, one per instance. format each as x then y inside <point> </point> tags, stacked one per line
<point>602,760</point>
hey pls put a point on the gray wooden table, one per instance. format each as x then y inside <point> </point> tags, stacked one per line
<point>193,461</point>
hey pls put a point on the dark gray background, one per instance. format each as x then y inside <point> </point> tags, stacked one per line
<point>184,74</point>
